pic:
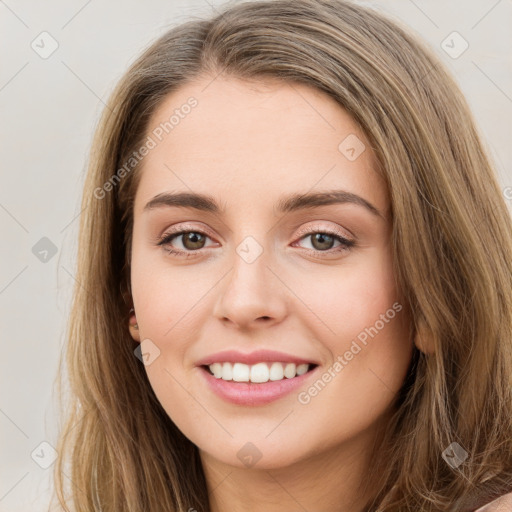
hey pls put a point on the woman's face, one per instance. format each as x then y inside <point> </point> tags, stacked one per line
<point>266,271</point>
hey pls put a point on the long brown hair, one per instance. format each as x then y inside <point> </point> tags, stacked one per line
<point>452,247</point>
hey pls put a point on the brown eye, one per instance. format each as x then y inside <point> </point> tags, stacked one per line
<point>322,241</point>
<point>193,240</point>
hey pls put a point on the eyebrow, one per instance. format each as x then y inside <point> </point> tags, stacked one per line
<point>291,203</point>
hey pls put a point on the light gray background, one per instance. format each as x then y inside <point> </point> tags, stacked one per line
<point>49,109</point>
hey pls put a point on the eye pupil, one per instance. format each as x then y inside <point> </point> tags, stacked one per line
<point>321,237</point>
<point>194,238</point>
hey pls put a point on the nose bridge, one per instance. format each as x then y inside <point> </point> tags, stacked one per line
<point>251,290</point>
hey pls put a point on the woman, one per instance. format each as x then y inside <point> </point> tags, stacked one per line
<point>295,278</point>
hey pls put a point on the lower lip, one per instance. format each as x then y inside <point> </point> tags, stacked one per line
<point>249,393</point>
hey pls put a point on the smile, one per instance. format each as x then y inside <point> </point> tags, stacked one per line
<point>272,381</point>
<point>257,373</point>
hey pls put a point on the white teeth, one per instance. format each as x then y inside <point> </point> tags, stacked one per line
<point>257,373</point>
<point>240,372</point>
<point>276,371</point>
<point>216,369</point>
<point>227,371</point>
<point>302,369</point>
<point>289,371</point>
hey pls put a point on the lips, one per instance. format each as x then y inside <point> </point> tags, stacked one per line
<point>250,358</point>
<point>255,394</point>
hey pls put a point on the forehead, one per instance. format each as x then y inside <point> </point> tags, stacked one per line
<point>256,139</point>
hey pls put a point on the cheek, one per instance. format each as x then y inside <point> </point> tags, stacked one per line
<point>163,292</point>
<point>365,331</point>
<point>165,298</point>
<point>351,297</point>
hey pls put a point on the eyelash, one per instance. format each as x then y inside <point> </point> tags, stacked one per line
<point>165,239</point>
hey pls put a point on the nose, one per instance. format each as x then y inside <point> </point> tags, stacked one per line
<point>251,295</point>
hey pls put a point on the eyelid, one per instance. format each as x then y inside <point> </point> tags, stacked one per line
<point>322,228</point>
<point>184,227</point>
<point>303,231</point>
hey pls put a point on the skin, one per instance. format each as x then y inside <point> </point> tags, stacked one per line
<point>247,144</point>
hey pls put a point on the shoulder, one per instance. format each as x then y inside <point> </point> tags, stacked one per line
<point>502,504</point>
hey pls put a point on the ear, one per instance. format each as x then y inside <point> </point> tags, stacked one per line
<point>424,340</point>
<point>133,326</point>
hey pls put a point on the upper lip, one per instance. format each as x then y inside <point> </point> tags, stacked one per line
<point>258,356</point>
